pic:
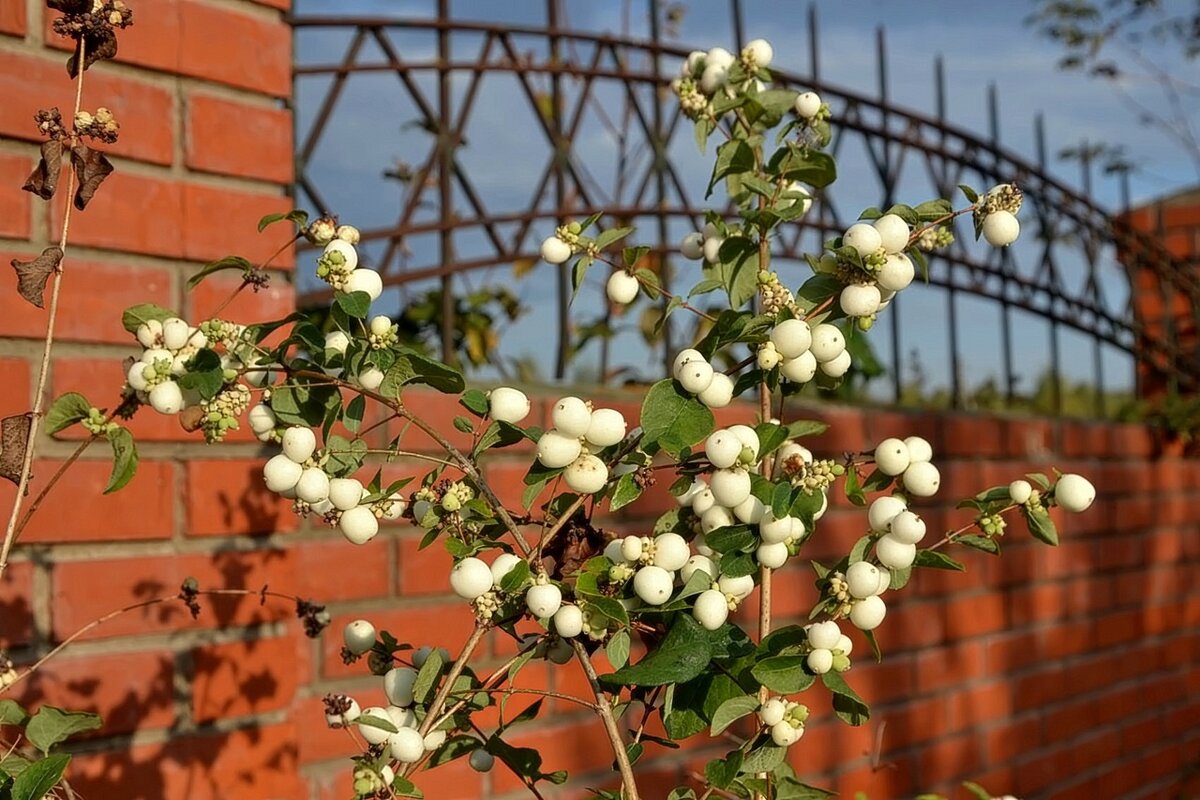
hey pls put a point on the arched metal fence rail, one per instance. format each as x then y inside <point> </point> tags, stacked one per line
<point>1079,275</point>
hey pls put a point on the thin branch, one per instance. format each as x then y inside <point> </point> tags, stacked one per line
<point>628,782</point>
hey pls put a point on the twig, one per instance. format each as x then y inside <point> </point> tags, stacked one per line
<point>628,782</point>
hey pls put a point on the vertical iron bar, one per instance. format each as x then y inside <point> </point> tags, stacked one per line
<point>560,193</point>
<point>445,188</point>
<point>660,178</point>
<point>1055,361</point>
<point>889,189</point>
<point>739,32</point>
<point>814,43</point>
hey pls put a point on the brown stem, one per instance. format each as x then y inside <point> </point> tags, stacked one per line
<point>35,415</point>
<point>628,782</point>
<point>456,669</point>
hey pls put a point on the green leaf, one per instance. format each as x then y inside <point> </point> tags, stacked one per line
<point>806,427</point>
<point>221,264</point>
<point>813,167</point>
<point>969,193</point>
<point>474,401</point>
<point>984,543</point>
<point>733,156</point>
<point>11,713</point>
<point>205,375</point>
<point>764,759</point>
<point>463,424</point>
<point>732,710</point>
<point>125,460</point>
<point>978,791</point>
<point>356,409</point>
<point>1040,525</point>
<point>782,674</point>
<point>355,304</point>
<point>429,372</point>
<point>672,419</point>
<point>40,777</point>
<point>65,411</point>
<point>135,316</point>
<point>846,704</point>
<point>683,654</point>
<point>51,725</point>
<point>611,235</point>
<point>346,456</point>
<point>721,772</point>
<point>578,273</point>
<point>625,492</point>
<point>932,558</point>
<point>515,577</point>
<point>376,722</point>
<point>731,539</point>
<point>300,218</point>
<point>617,649</point>
<point>427,676</point>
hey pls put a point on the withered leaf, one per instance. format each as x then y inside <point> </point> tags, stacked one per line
<point>44,180</point>
<point>191,419</point>
<point>91,168</point>
<point>70,6</point>
<point>14,437</point>
<point>32,275</point>
<point>99,44</point>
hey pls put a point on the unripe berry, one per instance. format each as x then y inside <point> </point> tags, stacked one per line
<point>772,556</point>
<point>406,745</point>
<point>891,456</point>
<point>750,511</point>
<point>695,376</point>
<point>738,588</point>
<point>711,609</point>
<point>359,636</point>
<point>716,517</point>
<point>543,600</point>
<point>896,273</point>
<point>893,553</point>
<point>860,300</point>
<point>281,474</point>
<point>503,565</point>
<point>364,280</point>
<point>730,486</point>
<point>1019,491</point>
<point>919,449</point>
<point>719,393</point>
<point>606,427</point>
<point>359,524</point>
<point>398,685</point>
<point>346,251</point>
<point>555,250</point>
<point>313,486</point>
<point>922,479</point>
<point>508,405</point>
<point>671,551</point>
<point>1074,493</point>
<point>712,249</point>
<point>800,369</point>
<point>299,443</point>
<point>571,416</point>
<point>868,613</point>
<point>685,356</point>
<point>772,530</point>
<point>174,333</point>
<point>862,579</point>
<point>470,578</point>
<point>653,585</point>
<point>481,760</point>
<point>1001,228</point>
<point>370,733</point>
<point>568,622</point>
<point>791,337</point>
<point>698,563</point>
<point>863,237</point>
<point>380,325</point>
<point>167,398</point>
<point>555,450</point>
<point>345,493</point>
<point>370,378</point>
<point>893,233</point>
<point>827,341</point>
<point>807,105</point>
<point>883,510</point>
<point>784,735</point>
<point>586,474</point>
<point>907,527</point>
<point>692,246</point>
<point>819,661</point>
<point>837,366</point>
<point>622,288</point>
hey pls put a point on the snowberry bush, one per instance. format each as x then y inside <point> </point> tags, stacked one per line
<point>750,497</point>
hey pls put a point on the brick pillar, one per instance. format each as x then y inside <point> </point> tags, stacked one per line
<point>201,89</point>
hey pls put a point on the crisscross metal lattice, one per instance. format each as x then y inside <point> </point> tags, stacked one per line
<point>1074,273</point>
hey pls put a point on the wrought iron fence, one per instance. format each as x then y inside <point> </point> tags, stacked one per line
<point>1072,278</point>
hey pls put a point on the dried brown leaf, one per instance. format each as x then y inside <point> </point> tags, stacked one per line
<point>99,43</point>
<point>32,275</point>
<point>70,6</point>
<point>191,419</point>
<point>44,180</point>
<point>91,168</point>
<point>14,437</point>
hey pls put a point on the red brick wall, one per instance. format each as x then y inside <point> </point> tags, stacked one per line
<point>1049,673</point>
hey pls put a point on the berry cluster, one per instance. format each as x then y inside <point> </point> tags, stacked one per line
<point>697,376</point>
<point>338,264</point>
<point>579,433</point>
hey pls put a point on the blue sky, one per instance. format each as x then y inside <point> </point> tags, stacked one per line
<point>981,43</point>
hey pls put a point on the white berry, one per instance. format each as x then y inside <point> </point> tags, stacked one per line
<point>827,341</point>
<point>685,356</point>
<point>820,661</point>
<point>313,486</point>
<point>837,366</point>
<point>730,486</point>
<point>750,511</point>
<point>543,600</point>
<point>346,251</point>
<point>723,448</point>
<point>893,232</point>
<point>571,416</point>
<point>364,280</point>
<point>1019,491</point>
<point>695,376</point>
<point>692,246</point>
<point>719,393</point>
<point>698,563</point>
<point>380,325</point>
<point>470,578</point>
<point>738,588</point>
<point>174,333</point>
<point>895,554</point>
<point>860,300</point>
<point>359,524</point>
<point>922,479</point>
<point>760,50</point>
<point>398,685</point>
<point>891,456</point>
<point>555,250</point>
<point>716,517</point>
<point>823,634</point>
<point>711,609</point>
<point>791,337</point>
<point>503,565</point>
<point>506,404</point>
<point>568,621</point>
<point>622,288</point>
<point>800,369</point>
<point>149,333</point>
<point>1001,228</point>
<point>586,474</point>
<point>784,734</point>
<point>863,237</point>
<point>808,104</point>
<point>606,427</point>
<point>772,556</point>
<point>359,636</point>
<point>1074,493</point>
<point>555,450</point>
<point>337,341</point>
<point>299,443</point>
<point>345,493</point>
<point>868,613</point>
<point>370,378</point>
<point>167,398</point>
<point>774,530</point>
<point>406,745</point>
<point>919,449</point>
<point>281,474</point>
<point>862,579</point>
<point>653,585</point>
<point>883,510</point>
<point>907,527</point>
<point>370,733</point>
<point>671,551</point>
<point>896,273</point>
